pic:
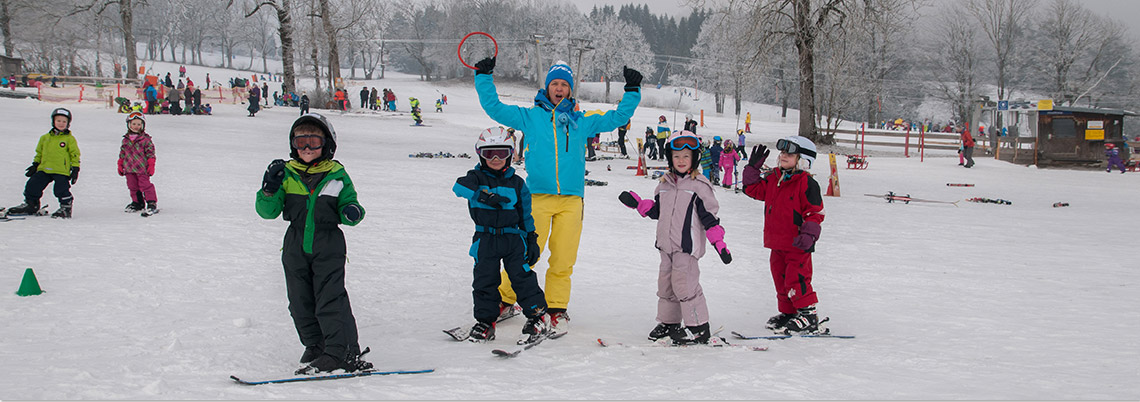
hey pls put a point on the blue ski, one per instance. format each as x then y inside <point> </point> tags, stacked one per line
<point>742,336</point>
<point>329,377</point>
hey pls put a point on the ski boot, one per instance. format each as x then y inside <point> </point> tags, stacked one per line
<point>559,323</point>
<point>663,330</point>
<point>134,206</point>
<point>26,208</point>
<point>805,322</point>
<point>778,322</point>
<point>482,332</point>
<point>691,335</point>
<point>64,211</point>
<point>325,363</point>
<point>151,208</point>
<point>534,330</point>
<point>312,353</point>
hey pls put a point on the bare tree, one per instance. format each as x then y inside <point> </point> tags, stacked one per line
<point>1002,21</point>
<point>126,17</point>
<point>803,21</point>
<point>285,34</point>
<point>617,44</point>
<point>955,61</point>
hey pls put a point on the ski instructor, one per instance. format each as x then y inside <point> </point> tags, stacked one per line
<point>556,135</point>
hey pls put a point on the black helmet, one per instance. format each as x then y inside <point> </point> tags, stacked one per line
<point>59,111</point>
<point>330,135</point>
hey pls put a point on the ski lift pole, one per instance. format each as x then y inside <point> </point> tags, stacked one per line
<point>863,146</point>
<point>906,149</point>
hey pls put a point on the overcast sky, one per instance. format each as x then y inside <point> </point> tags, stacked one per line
<point>1127,11</point>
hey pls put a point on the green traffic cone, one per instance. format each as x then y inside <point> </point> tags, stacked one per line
<point>29,286</point>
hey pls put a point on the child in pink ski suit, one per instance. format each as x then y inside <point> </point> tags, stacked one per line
<point>136,163</point>
<point>728,159</point>
<point>685,208</point>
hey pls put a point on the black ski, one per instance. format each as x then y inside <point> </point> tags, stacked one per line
<point>514,353</point>
<point>461,333</point>
<point>329,377</point>
<point>774,337</point>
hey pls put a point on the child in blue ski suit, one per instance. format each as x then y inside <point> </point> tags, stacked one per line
<point>499,203</point>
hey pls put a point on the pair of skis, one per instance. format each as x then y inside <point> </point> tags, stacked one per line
<point>907,199</point>
<point>6,216</point>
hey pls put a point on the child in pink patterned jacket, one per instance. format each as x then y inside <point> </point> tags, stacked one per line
<point>685,208</point>
<point>136,163</point>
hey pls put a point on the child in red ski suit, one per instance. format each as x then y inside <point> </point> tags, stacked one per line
<point>136,163</point>
<point>793,212</point>
<point>685,208</point>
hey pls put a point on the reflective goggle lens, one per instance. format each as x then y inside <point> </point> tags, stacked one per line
<point>787,146</point>
<point>492,153</point>
<point>308,142</point>
<point>680,143</point>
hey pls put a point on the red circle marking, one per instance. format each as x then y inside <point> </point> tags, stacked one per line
<point>458,51</point>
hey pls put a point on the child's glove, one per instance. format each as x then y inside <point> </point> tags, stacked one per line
<point>485,66</point>
<point>122,169</point>
<point>32,169</point>
<point>494,200</point>
<point>716,237</point>
<point>74,174</point>
<point>351,212</point>
<point>274,175</point>
<point>630,199</point>
<point>532,250</point>
<point>751,174</point>
<point>809,233</point>
<point>150,167</point>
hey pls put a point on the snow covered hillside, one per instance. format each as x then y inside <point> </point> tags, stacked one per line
<point>974,301</point>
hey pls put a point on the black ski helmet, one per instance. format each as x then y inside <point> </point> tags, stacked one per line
<point>329,149</point>
<point>59,111</point>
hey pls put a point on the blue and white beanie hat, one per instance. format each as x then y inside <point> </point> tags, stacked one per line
<point>560,71</point>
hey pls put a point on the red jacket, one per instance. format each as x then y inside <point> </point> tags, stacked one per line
<point>787,204</point>
<point>967,139</point>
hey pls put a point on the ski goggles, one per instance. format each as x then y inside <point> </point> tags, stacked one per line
<point>492,153</point>
<point>308,142</point>
<point>680,143</point>
<point>793,148</point>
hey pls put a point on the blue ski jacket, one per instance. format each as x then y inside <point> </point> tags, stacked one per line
<point>556,135</point>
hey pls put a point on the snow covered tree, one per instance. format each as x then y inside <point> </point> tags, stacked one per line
<point>954,61</point>
<point>616,44</point>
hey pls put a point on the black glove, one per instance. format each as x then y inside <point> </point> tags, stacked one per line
<point>759,154</point>
<point>626,198</point>
<point>532,250</point>
<point>351,212</point>
<point>74,174</point>
<point>632,79</point>
<point>32,169</point>
<point>274,175</point>
<point>492,199</point>
<point>485,66</point>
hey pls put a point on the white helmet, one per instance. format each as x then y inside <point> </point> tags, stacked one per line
<point>494,138</point>
<point>798,145</point>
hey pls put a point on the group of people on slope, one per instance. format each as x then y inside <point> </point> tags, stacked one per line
<point>516,219</point>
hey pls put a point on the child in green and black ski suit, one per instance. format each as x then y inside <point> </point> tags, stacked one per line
<point>315,195</point>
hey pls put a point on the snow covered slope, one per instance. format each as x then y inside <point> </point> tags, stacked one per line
<point>978,301</point>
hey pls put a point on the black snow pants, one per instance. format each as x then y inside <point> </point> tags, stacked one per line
<point>510,249</point>
<point>318,300</point>
<point>34,189</point>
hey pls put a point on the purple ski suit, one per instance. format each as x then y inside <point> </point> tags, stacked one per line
<point>1113,155</point>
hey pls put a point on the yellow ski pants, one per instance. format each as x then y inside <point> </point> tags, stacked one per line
<point>557,218</point>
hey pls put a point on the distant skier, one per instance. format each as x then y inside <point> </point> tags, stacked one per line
<point>304,105</point>
<point>690,124</point>
<point>650,147</point>
<point>56,161</point>
<point>685,208</point>
<point>968,148</point>
<point>315,195</point>
<point>714,165</point>
<point>136,164</point>
<point>663,131</point>
<point>438,105</point>
<point>1113,156</point>
<point>499,202</point>
<point>793,212</point>
<point>416,114</point>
